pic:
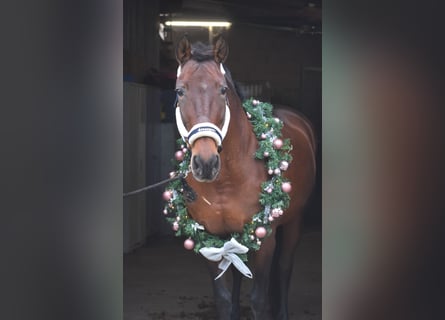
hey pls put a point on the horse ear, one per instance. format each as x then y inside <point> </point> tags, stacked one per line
<point>183,50</point>
<point>220,49</point>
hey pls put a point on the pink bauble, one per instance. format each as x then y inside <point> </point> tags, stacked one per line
<point>189,244</point>
<point>175,226</point>
<point>269,190</point>
<point>165,211</point>
<point>167,195</point>
<point>172,174</point>
<point>263,136</point>
<point>260,232</point>
<point>266,154</point>
<point>184,150</point>
<point>179,155</point>
<point>286,187</point>
<point>278,143</point>
<point>277,171</point>
<point>270,171</point>
<point>270,218</point>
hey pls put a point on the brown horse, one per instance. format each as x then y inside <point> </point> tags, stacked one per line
<point>227,178</point>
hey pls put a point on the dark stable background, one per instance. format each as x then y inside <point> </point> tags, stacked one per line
<point>62,160</point>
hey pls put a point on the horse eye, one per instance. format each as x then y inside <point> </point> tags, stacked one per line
<point>180,92</point>
<point>223,90</point>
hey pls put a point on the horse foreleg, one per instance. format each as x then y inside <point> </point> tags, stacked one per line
<point>289,241</point>
<point>236,289</point>
<point>221,294</point>
<point>259,298</point>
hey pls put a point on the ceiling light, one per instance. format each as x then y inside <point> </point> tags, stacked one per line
<point>223,24</point>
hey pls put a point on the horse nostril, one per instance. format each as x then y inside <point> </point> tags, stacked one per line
<point>216,165</point>
<point>197,164</point>
<point>214,161</point>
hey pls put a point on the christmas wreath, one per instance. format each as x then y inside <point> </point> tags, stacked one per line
<point>274,197</point>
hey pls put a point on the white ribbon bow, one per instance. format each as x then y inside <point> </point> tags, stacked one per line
<point>228,255</point>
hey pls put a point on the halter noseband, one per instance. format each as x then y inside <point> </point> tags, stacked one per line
<point>203,129</point>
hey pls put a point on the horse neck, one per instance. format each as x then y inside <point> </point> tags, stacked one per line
<point>240,143</point>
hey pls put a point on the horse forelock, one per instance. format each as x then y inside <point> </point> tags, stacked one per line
<point>207,67</point>
<point>202,52</point>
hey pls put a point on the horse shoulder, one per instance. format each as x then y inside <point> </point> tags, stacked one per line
<point>302,170</point>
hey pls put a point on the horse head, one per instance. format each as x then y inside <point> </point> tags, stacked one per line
<point>202,112</point>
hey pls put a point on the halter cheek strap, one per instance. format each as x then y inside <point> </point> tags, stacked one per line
<point>203,129</point>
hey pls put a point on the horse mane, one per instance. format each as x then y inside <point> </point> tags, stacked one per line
<point>202,52</point>
<point>234,84</point>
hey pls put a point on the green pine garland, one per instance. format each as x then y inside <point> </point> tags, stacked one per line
<point>276,154</point>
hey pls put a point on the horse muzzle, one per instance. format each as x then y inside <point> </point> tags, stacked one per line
<point>205,169</point>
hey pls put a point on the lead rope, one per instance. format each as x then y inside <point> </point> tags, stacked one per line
<point>152,186</point>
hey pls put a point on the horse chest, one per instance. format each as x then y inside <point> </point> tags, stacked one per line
<point>225,208</point>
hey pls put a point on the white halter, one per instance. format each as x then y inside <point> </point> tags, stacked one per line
<point>203,129</point>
